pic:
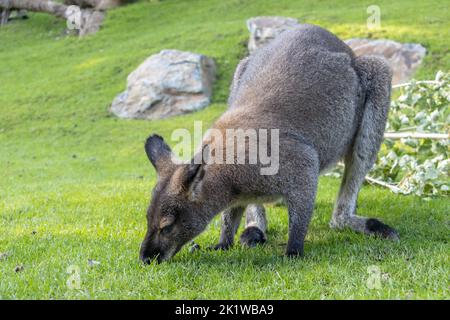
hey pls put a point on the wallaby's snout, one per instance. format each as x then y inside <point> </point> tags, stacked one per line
<point>149,252</point>
<point>154,249</point>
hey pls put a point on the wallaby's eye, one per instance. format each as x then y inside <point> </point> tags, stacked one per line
<point>166,230</point>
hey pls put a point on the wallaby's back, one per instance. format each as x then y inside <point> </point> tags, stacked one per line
<point>302,83</point>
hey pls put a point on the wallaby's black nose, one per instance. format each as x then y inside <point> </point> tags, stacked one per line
<point>147,259</point>
<point>147,255</point>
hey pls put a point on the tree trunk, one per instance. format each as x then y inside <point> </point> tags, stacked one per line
<point>4,16</point>
<point>96,4</point>
<point>85,21</point>
<point>82,3</point>
<point>54,8</point>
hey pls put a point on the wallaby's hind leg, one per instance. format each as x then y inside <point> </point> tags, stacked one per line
<point>255,226</point>
<point>376,79</point>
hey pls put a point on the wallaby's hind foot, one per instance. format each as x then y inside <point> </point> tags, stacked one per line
<point>252,236</point>
<point>255,226</point>
<point>368,226</point>
<point>379,229</point>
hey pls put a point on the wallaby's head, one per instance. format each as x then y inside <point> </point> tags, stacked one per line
<point>175,215</point>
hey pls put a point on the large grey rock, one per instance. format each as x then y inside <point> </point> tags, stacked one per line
<point>404,58</point>
<point>167,84</point>
<point>264,29</point>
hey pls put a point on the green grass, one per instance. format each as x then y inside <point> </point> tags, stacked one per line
<point>75,181</point>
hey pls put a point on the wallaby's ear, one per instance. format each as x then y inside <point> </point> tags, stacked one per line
<point>158,152</point>
<point>195,173</point>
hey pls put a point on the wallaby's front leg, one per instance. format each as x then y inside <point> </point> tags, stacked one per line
<point>300,207</point>
<point>300,201</point>
<point>231,219</point>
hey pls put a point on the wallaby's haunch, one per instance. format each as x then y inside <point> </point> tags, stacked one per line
<point>327,104</point>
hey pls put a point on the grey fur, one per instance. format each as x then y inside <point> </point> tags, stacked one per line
<point>256,217</point>
<point>328,104</point>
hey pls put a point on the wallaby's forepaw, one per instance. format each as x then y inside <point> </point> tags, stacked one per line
<point>220,246</point>
<point>252,236</point>
<point>378,228</point>
<point>294,253</point>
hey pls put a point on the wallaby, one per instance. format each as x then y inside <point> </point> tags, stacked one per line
<point>326,103</point>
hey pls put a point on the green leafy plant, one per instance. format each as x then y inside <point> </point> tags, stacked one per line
<point>413,158</point>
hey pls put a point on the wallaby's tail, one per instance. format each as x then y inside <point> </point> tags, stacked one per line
<point>376,77</point>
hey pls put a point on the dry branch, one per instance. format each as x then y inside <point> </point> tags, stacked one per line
<point>51,7</point>
<point>416,135</point>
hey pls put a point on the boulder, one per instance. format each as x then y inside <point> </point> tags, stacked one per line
<point>166,84</point>
<point>83,22</point>
<point>404,58</point>
<point>264,29</point>
<point>91,21</point>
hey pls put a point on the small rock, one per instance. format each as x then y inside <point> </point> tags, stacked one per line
<point>93,263</point>
<point>265,29</point>
<point>194,247</point>
<point>91,21</point>
<point>18,14</point>
<point>3,256</point>
<point>19,268</point>
<point>83,21</point>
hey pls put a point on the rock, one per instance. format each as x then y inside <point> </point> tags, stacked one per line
<point>91,21</point>
<point>83,22</point>
<point>18,14</point>
<point>194,247</point>
<point>404,58</point>
<point>19,268</point>
<point>264,29</point>
<point>169,83</point>
<point>93,263</point>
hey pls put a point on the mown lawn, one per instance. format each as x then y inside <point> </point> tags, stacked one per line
<point>75,181</point>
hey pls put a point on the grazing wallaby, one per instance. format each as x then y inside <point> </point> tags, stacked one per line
<point>327,104</point>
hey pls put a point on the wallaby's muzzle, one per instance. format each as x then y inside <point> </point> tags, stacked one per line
<point>152,249</point>
<point>148,253</point>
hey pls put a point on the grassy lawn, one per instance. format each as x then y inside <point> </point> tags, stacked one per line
<point>75,181</point>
